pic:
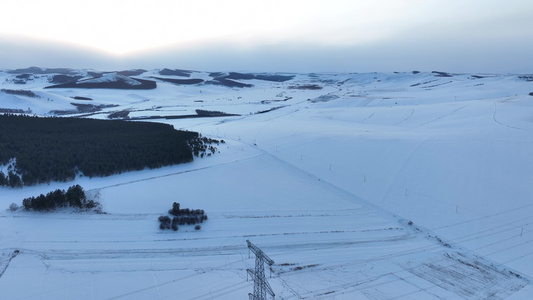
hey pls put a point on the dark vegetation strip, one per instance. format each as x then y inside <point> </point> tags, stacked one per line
<point>229,83</point>
<point>82,98</point>
<point>82,108</point>
<point>305,87</point>
<point>199,114</point>
<point>37,70</point>
<point>181,81</point>
<point>26,93</point>
<point>59,79</point>
<point>248,76</point>
<point>121,85</point>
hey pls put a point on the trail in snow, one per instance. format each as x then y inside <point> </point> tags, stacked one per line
<point>5,259</point>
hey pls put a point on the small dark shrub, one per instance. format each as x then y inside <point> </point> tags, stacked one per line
<point>165,222</point>
<point>175,221</point>
<point>175,210</point>
<point>13,207</point>
<point>197,227</point>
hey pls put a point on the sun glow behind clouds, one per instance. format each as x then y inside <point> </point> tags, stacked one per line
<point>330,35</point>
<point>125,27</point>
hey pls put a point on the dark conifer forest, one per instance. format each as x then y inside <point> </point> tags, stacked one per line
<point>40,150</point>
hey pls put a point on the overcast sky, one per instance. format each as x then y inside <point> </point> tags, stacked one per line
<point>274,35</point>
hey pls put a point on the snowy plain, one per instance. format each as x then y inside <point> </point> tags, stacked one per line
<point>377,186</point>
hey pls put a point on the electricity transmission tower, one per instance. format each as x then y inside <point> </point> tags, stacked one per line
<point>261,286</point>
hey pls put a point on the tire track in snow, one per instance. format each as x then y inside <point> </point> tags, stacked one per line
<point>407,118</point>
<point>7,262</point>
<point>170,174</point>
<point>441,117</point>
<point>422,231</point>
<point>499,122</point>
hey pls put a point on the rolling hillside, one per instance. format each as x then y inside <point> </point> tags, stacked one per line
<point>413,185</point>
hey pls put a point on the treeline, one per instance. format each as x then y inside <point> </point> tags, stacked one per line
<point>40,150</point>
<point>74,197</point>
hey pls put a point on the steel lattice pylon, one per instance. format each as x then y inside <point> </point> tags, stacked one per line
<point>261,286</point>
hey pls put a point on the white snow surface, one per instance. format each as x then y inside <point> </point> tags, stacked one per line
<point>378,186</point>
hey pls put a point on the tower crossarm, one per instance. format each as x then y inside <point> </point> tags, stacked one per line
<point>259,253</point>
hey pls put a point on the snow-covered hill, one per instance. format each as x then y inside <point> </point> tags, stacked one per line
<point>359,186</point>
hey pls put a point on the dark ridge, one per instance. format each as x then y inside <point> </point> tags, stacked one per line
<point>442,74</point>
<point>240,76</point>
<point>119,84</point>
<point>180,81</point>
<point>306,87</point>
<point>248,76</point>
<point>275,100</point>
<point>274,78</point>
<point>229,83</point>
<point>95,74</point>
<point>59,79</point>
<point>135,72</point>
<point>175,72</point>
<point>210,113</point>
<point>37,70</point>
<point>217,74</point>
<point>81,98</point>
<point>123,114</point>
<point>269,110</point>
<point>127,73</point>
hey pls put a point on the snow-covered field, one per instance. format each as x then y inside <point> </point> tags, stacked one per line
<point>377,186</point>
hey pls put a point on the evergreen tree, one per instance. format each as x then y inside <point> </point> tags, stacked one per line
<point>14,180</point>
<point>75,196</point>
<point>3,179</point>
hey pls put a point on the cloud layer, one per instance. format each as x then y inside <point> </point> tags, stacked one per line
<point>290,36</point>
